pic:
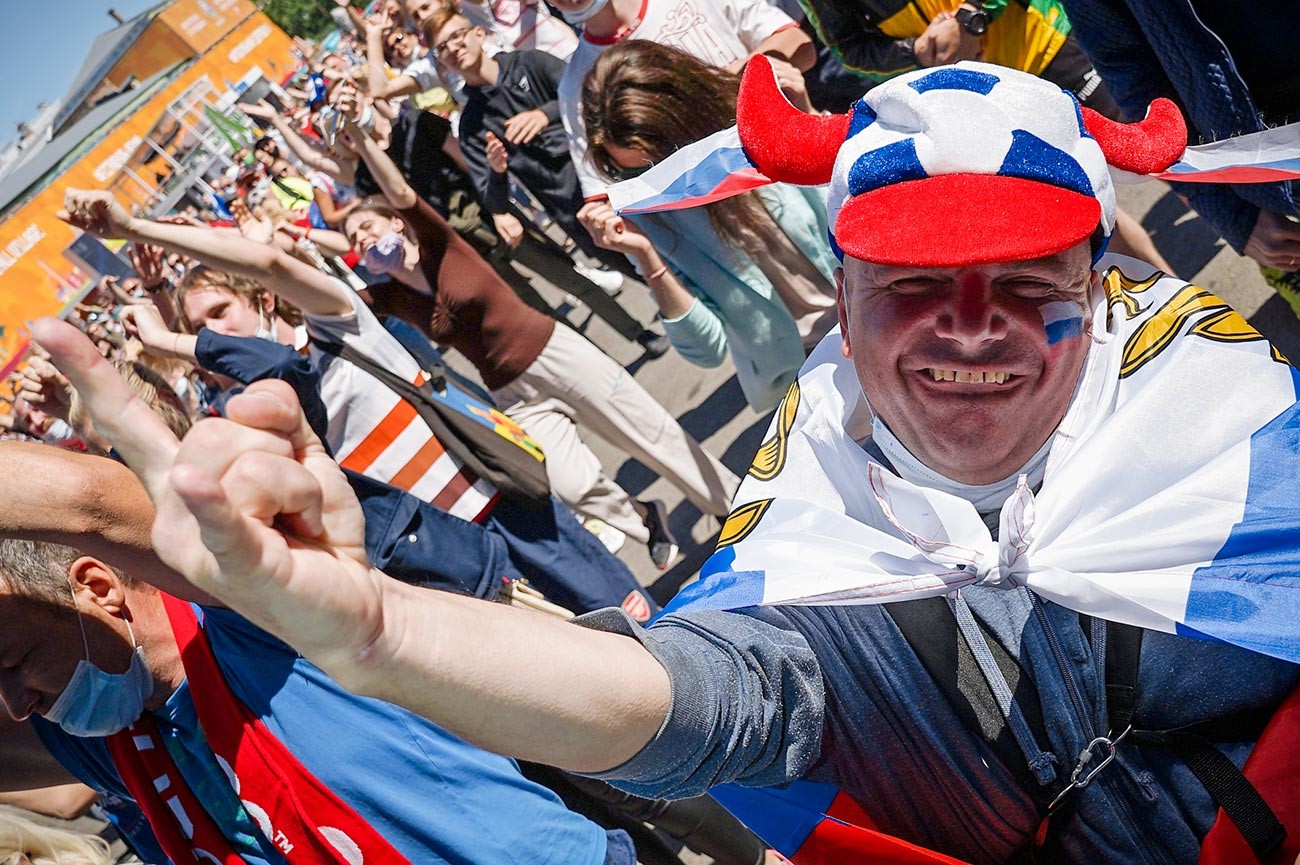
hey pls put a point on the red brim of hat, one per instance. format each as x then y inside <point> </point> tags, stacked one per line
<point>955,220</point>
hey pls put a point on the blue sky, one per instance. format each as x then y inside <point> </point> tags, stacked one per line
<point>42,44</point>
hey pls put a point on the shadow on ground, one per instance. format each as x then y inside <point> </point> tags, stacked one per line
<point>1187,242</point>
<point>1277,322</point>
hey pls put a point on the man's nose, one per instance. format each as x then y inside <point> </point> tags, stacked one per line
<point>971,317</point>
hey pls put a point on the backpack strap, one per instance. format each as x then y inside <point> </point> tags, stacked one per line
<point>1225,783</point>
<point>931,629</point>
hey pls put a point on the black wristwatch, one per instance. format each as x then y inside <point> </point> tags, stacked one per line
<point>976,21</point>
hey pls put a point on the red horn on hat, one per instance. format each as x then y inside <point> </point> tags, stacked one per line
<point>786,144</point>
<point>1149,146</point>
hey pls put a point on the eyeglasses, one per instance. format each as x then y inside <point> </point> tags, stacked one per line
<point>457,38</point>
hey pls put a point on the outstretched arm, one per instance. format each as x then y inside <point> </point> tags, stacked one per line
<point>312,157</point>
<point>385,172</point>
<point>253,510</point>
<point>92,504</point>
<point>300,283</point>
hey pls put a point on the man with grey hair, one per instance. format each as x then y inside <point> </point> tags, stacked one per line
<point>210,725</point>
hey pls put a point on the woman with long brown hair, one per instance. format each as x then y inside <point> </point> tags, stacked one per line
<point>750,273</point>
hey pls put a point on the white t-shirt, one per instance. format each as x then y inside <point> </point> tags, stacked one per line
<point>428,76</point>
<point>518,25</point>
<point>374,432</point>
<point>716,32</point>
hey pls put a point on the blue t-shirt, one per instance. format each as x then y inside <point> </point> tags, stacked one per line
<point>435,798</point>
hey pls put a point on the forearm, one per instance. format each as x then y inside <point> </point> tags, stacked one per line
<point>310,156</point>
<point>66,801</point>
<point>169,344</point>
<point>790,44</point>
<point>329,241</point>
<point>600,697</point>
<point>860,49</point>
<point>386,174</point>
<point>229,251</point>
<point>673,299</point>
<point>375,75</point>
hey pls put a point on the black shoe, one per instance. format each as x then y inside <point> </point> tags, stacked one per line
<point>662,544</point>
<point>655,344</point>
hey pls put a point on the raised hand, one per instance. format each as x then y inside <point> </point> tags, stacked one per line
<point>150,263</point>
<point>256,227</point>
<point>251,509</point>
<point>44,386</point>
<point>96,212</point>
<point>262,110</point>
<point>497,158</point>
<point>525,126</point>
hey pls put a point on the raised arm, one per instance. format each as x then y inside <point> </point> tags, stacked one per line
<point>385,172</point>
<point>253,509</point>
<point>312,157</point>
<point>314,292</point>
<point>380,85</point>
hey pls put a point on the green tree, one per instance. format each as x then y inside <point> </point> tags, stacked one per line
<point>309,19</point>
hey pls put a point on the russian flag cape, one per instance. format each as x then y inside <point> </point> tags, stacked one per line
<point>1171,501</point>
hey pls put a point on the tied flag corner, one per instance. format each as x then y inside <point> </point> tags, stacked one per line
<point>709,170</point>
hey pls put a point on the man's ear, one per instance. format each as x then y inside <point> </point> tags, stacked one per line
<point>267,301</point>
<point>99,583</point>
<point>842,306</point>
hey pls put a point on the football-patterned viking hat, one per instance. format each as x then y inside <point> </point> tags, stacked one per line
<point>957,165</point>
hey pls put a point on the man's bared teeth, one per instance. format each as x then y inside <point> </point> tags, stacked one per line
<point>970,377</point>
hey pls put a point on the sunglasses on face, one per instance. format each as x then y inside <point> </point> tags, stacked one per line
<point>620,174</point>
<point>456,38</point>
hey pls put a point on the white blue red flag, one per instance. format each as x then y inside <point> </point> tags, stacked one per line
<point>717,167</point>
<point>1171,501</point>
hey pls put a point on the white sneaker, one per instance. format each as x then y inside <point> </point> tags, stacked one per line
<point>610,280</point>
<point>610,537</point>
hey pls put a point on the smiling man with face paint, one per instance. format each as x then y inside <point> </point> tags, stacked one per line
<point>1005,449</point>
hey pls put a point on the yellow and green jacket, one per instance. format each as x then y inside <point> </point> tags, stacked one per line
<point>874,37</point>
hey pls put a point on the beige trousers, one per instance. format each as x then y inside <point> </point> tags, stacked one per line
<point>572,383</point>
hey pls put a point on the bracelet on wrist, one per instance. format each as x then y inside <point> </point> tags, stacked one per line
<point>663,268</point>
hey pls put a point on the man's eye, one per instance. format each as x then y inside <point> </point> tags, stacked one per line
<point>914,286</point>
<point>1029,288</point>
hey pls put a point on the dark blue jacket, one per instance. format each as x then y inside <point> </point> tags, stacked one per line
<point>1149,48</point>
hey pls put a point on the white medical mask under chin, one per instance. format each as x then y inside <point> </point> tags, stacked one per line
<point>96,703</point>
<point>585,14</point>
<point>264,327</point>
<point>387,254</point>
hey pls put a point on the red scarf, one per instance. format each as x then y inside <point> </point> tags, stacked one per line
<point>298,814</point>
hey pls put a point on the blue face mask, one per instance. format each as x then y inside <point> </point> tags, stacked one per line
<point>96,703</point>
<point>387,254</point>
<point>585,14</point>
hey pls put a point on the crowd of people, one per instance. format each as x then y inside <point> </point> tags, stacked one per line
<point>265,600</point>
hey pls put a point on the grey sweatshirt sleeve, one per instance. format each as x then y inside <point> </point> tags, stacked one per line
<point>747,703</point>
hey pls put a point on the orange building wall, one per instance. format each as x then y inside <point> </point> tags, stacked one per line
<point>32,238</point>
